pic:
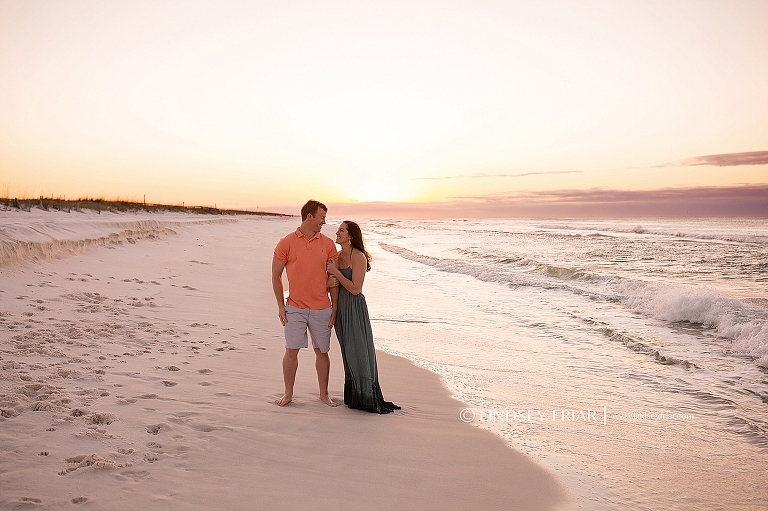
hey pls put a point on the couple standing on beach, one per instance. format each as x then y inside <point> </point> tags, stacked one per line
<point>316,270</point>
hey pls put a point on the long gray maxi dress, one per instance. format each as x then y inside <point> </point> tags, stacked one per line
<point>361,377</point>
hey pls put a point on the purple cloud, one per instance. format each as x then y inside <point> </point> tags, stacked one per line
<point>730,159</point>
<point>745,200</point>
<point>601,195</point>
<point>705,201</point>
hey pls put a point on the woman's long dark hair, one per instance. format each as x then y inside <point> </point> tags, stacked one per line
<point>356,237</point>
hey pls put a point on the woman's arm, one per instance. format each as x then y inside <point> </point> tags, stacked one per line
<point>358,264</point>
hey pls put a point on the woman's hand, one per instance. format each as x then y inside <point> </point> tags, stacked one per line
<point>331,267</point>
<point>332,282</point>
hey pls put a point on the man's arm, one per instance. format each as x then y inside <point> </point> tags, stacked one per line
<point>277,286</point>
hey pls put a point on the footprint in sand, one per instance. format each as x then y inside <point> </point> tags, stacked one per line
<point>204,371</point>
<point>169,383</point>
<point>101,418</point>
<point>79,500</point>
<point>156,428</point>
<point>136,475</point>
<point>91,460</point>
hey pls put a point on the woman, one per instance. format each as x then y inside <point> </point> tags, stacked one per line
<point>353,327</point>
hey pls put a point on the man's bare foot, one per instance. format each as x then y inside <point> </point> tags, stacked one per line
<point>327,400</point>
<point>284,400</point>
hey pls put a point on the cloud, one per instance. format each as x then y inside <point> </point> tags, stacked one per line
<point>733,201</point>
<point>476,176</point>
<point>729,160</point>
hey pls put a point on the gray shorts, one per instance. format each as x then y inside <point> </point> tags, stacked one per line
<point>301,320</point>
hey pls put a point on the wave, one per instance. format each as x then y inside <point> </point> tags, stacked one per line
<point>449,265</point>
<point>639,346</point>
<point>634,343</point>
<point>51,236</point>
<point>385,320</point>
<point>743,323</point>
<point>760,238</point>
<point>499,269</point>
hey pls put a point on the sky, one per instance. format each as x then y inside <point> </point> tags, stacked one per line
<point>519,108</point>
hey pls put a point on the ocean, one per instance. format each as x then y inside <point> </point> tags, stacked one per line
<point>630,357</point>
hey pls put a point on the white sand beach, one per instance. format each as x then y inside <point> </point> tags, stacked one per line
<point>139,369</point>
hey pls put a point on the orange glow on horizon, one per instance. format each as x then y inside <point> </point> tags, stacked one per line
<point>260,105</point>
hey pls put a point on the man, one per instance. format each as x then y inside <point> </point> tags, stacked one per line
<point>303,254</point>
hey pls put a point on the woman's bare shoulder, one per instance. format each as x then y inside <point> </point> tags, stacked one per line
<point>358,257</point>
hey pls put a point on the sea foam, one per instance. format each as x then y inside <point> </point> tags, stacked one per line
<point>743,323</point>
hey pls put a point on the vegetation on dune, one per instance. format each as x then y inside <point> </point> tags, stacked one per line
<point>117,206</point>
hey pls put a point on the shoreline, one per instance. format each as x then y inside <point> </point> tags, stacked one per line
<point>157,367</point>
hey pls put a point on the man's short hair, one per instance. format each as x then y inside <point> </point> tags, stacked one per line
<point>311,207</point>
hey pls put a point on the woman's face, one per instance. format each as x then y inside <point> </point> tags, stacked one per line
<point>342,236</point>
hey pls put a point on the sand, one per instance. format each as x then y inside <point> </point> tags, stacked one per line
<point>141,374</point>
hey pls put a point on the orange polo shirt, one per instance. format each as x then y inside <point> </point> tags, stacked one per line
<point>305,261</point>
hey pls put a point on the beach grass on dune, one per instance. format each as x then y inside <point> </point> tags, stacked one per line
<point>116,206</point>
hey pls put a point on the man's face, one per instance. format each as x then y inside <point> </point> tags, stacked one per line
<point>317,221</point>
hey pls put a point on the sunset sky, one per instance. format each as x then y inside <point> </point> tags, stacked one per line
<point>479,105</point>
